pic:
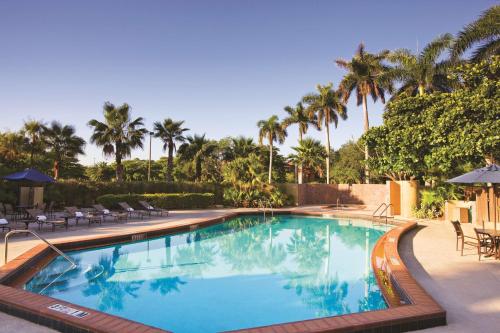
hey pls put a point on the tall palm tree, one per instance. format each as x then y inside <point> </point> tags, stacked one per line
<point>366,74</point>
<point>33,130</point>
<point>327,105</point>
<point>271,130</point>
<point>118,134</point>
<point>484,32</point>
<point>170,132</point>
<point>196,149</point>
<point>301,117</point>
<point>423,72</point>
<point>309,154</point>
<point>62,143</point>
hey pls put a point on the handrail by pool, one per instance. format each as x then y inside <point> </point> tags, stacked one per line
<point>12,232</point>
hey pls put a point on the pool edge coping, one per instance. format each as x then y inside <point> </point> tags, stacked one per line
<point>423,312</point>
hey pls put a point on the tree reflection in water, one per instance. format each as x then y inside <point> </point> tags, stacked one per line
<point>111,294</point>
<point>315,268</point>
<point>56,277</point>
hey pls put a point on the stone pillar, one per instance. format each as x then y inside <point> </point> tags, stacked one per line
<point>409,197</point>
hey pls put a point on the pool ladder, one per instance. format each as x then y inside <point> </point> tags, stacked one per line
<point>264,205</point>
<point>376,214</point>
<point>12,232</point>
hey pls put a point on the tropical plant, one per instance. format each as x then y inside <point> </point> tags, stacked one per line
<point>63,145</point>
<point>310,154</point>
<point>234,147</point>
<point>170,132</point>
<point>118,134</point>
<point>33,130</point>
<point>327,107</point>
<point>483,33</point>
<point>195,150</point>
<point>271,130</point>
<point>424,72</point>
<point>366,74</point>
<point>432,201</point>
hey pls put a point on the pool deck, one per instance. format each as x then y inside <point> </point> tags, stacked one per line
<point>467,289</point>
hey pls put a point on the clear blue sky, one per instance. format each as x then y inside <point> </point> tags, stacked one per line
<point>219,65</point>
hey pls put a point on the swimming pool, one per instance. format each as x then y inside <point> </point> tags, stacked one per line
<point>245,272</point>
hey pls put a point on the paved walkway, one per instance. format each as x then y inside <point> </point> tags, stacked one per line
<point>469,290</point>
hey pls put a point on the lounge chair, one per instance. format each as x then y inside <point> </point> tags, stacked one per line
<point>36,215</point>
<point>4,223</point>
<point>127,208</point>
<point>74,213</point>
<point>104,212</point>
<point>149,208</point>
<point>462,238</point>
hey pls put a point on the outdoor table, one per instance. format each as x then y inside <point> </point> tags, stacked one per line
<point>495,234</point>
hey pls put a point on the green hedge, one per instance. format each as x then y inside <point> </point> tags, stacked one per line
<point>85,193</point>
<point>160,200</point>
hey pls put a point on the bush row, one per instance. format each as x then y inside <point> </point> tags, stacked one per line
<point>85,193</point>
<point>160,200</point>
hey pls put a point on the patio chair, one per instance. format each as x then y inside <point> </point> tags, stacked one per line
<point>9,211</point>
<point>486,243</point>
<point>462,237</point>
<point>104,212</point>
<point>127,208</point>
<point>149,208</point>
<point>36,215</point>
<point>4,223</point>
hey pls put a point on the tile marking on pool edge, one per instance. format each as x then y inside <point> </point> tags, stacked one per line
<point>69,311</point>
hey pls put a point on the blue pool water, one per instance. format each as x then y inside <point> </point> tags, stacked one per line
<point>243,273</point>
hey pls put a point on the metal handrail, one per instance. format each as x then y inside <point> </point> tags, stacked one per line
<point>12,232</point>
<point>262,204</point>
<point>376,210</point>
<point>385,211</point>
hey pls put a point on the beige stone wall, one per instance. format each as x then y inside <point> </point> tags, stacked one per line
<point>313,194</point>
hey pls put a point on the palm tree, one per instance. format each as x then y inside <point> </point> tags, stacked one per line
<point>483,32</point>
<point>368,76</point>
<point>423,72</point>
<point>327,106</point>
<point>33,130</point>
<point>301,117</point>
<point>309,154</point>
<point>196,149</point>
<point>170,132</point>
<point>62,143</point>
<point>242,146</point>
<point>118,134</point>
<point>272,130</point>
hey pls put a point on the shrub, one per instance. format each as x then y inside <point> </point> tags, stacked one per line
<point>432,201</point>
<point>252,197</point>
<point>85,193</point>
<point>160,200</point>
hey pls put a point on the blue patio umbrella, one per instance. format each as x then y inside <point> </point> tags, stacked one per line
<point>30,175</point>
<point>489,175</point>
